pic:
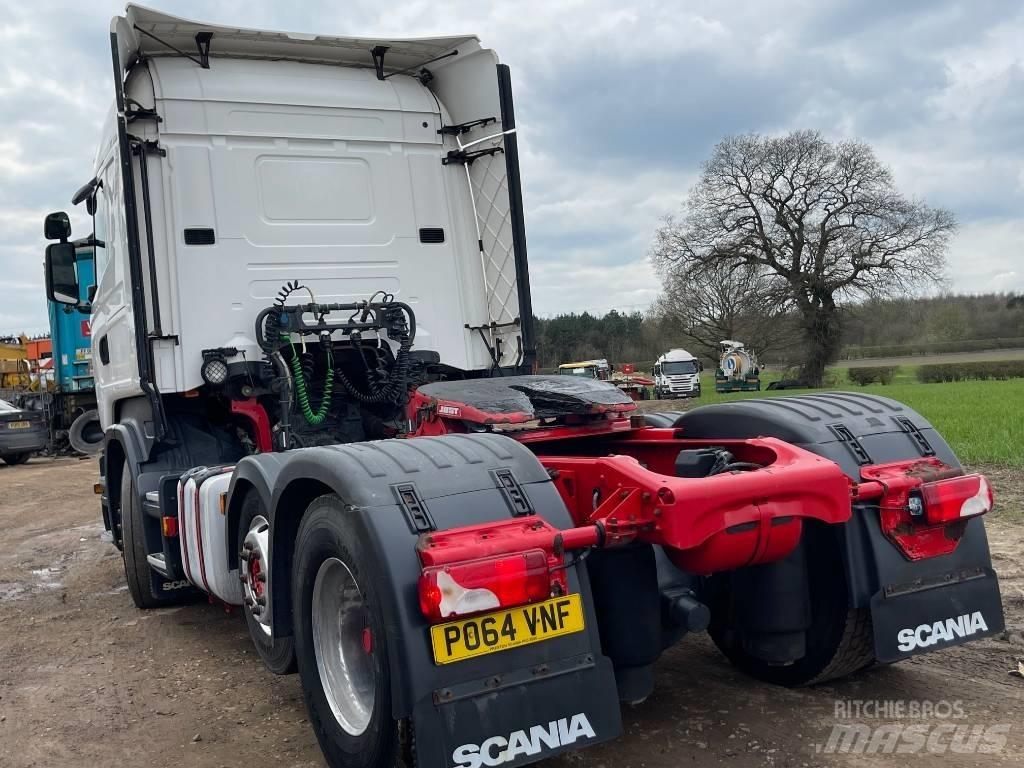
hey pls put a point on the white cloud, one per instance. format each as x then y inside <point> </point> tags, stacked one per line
<point>988,256</point>
<point>581,287</point>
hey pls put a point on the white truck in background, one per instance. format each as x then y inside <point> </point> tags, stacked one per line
<point>677,374</point>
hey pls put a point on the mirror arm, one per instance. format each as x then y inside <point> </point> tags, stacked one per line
<point>85,190</point>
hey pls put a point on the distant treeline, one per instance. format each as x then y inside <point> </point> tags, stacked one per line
<point>952,323</point>
<point>877,328</point>
<point>617,337</point>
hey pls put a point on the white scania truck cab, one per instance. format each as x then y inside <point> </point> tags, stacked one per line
<point>677,374</point>
<point>292,232</point>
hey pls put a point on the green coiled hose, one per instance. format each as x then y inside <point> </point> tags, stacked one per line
<point>302,393</point>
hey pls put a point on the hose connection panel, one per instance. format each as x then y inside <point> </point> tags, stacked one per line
<point>342,371</point>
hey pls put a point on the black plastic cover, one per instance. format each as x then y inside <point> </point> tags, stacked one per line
<point>696,462</point>
<point>200,236</point>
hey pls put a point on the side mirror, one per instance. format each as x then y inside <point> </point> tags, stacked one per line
<point>57,226</point>
<point>61,274</point>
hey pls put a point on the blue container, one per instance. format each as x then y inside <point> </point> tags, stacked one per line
<point>69,330</point>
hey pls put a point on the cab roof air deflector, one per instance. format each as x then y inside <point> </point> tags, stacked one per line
<point>146,32</point>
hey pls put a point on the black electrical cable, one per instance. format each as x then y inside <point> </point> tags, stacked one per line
<point>736,466</point>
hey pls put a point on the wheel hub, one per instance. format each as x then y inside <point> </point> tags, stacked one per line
<point>254,569</point>
<point>343,644</point>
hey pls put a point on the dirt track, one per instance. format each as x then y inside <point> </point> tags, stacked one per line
<point>88,680</point>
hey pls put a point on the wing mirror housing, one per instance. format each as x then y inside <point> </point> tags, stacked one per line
<point>61,273</point>
<point>57,226</point>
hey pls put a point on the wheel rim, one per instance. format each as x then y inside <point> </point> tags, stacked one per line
<point>343,654</point>
<point>255,567</point>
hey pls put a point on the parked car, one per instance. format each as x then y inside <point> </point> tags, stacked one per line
<point>22,433</point>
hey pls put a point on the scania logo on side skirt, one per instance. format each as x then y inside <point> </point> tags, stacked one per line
<point>925,635</point>
<point>498,749</point>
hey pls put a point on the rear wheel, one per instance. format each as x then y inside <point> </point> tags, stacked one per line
<point>839,641</point>
<point>339,641</point>
<point>13,459</point>
<point>278,654</point>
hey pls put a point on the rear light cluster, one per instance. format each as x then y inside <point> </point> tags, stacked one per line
<point>484,585</point>
<point>946,501</point>
<point>925,517</point>
<point>486,567</point>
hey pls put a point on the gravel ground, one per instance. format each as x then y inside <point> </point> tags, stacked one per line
<point>88,680</point>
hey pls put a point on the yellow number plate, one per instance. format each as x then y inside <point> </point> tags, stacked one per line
<point>501,630</point>
<point>19,424</point>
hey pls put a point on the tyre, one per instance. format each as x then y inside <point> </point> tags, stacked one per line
<point>14,459</point>
<point>147,588</point>
<point>840,639</point>
<point>136,568</point>
<point>662,419</point>
<point>339,641</point>
<point>86,434</point>
<point>253,547</point>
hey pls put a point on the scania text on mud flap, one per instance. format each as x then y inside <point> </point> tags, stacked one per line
<point>313,337</point>
<point>498,750</point>
<point>941,631</point>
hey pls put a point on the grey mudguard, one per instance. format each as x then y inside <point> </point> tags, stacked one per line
<point>853,429</point>
<point>462,704</point>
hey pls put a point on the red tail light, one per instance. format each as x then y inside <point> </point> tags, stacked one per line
<point>473,586</point>
<point>946,501</point>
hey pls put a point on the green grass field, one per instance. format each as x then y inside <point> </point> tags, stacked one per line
<point>983,421</point>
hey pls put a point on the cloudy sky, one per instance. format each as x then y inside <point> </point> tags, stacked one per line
<point>617,103</point>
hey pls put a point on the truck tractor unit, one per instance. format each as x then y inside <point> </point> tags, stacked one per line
<point>311,336</point>
<point>591,369</point>
<point>677,374</point>
<point>738,370</point>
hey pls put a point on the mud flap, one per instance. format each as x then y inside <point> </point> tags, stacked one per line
<point>519,716</point>
<point>936,613</point>
<point>171,589</point>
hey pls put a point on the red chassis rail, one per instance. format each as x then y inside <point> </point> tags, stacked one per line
<point>706,524</point>
<point>617,479</point>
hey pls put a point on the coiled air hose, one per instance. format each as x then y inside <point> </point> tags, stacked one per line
<point>302,386</point>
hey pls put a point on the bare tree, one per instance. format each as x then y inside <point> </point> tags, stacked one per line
<point>737,301</point>
<point>825,218</point>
